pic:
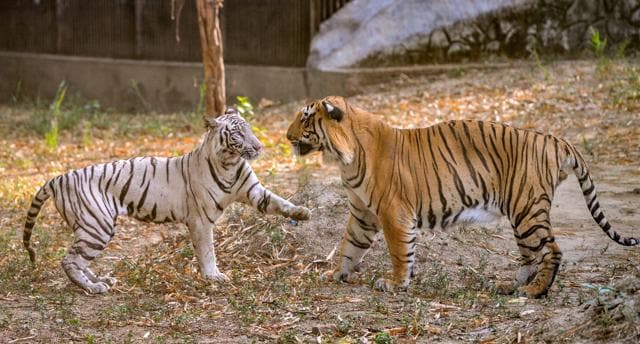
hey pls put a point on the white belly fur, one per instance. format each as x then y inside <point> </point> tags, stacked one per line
<point>478,216</point>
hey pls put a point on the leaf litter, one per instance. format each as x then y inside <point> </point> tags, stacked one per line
<point>277,292</point>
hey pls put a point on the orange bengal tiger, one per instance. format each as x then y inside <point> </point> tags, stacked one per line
<point>400,180</point>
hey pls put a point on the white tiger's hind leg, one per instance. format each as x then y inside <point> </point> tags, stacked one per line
<point>75,264</point>
<point>202,239</point>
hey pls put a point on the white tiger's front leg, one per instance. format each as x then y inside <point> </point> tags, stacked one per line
<point>268,202</point>
<point>202,239</point>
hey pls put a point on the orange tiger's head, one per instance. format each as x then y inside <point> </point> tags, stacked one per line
<point>324,125</point>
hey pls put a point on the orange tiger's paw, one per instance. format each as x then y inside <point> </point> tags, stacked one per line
<point>327,275</point>
<point>505,288</point>
<point>384,284</point>
<point>336,275</point>
<point>532,291</point>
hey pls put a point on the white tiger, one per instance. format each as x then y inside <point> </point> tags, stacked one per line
<point>193,189</point>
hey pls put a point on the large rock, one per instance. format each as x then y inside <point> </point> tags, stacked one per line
<point>417,31</point>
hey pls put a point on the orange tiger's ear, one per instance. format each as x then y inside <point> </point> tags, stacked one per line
<point>338,134</point>
<point>334,112</point>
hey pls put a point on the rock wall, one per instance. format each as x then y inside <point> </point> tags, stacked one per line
<point>374,33</point>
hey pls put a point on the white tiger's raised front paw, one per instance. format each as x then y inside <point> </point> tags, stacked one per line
<point>111,281</point>
<point>96,288</point>
<point>299,213</point>
<point>217,277</point>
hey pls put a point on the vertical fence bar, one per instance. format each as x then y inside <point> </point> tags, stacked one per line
<point>138,6</point>
<point>59,24</point>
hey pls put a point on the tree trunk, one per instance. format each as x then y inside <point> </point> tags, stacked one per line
<point>211,44</point>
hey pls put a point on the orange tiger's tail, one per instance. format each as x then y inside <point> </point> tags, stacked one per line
<point>589,191</point>
<point>36,204</point>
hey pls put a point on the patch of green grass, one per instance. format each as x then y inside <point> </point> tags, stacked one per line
<point>6,318</point>
<point>135,309</point>
<point>344,325</point>
<point>437,283</point>
<point>120,312</point>
<point>625,92</point>
<point>378,305</point>
<point>87,119</point>
<point>289,337</point>
<point>183,320</point>
<point>245,304</point>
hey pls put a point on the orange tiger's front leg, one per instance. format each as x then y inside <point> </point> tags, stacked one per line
<point>356,241</point>
<point>361,231</point>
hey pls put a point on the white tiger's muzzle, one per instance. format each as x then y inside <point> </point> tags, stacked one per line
<point>252,150</point>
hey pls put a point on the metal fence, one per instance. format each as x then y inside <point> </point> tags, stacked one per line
<point>255,32</point>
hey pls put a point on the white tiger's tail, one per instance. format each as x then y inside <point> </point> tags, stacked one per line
<point>589,191</point>
<point>36,204</point>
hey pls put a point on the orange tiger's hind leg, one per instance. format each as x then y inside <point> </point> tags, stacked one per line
<point>541,256</point>
<point>401,242</point>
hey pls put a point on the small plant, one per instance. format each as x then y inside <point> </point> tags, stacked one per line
<point>51,136</point>
<point>86,133</point>
<point>606,299</point>
<point>597,43</point>
<point>383,338</point>
<point>602,297</point>
<point>621,50</point>
<point>535,53</point>
<point>599,46</point>
<point>244,106</point>
<point>587,145</point>
<point>135,85</point>
<point>17,93</point>
<point>202,93</point>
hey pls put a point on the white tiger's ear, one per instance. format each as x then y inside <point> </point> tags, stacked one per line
<point>334,112</point>
<point>212,122</point>
<point>232,111</point>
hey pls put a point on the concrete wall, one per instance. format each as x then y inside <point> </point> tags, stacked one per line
<point>130,85</point>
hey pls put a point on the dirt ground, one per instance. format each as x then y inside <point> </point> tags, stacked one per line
<point>276,293</point>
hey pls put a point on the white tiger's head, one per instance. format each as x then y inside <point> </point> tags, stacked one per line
<point>232,136</point>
